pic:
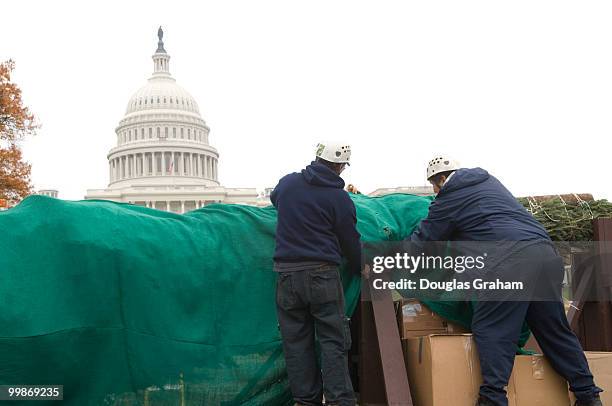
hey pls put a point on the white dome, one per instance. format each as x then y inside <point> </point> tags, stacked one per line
<point>163,158</point>
<point>162,93</point>
<point>162,139</point>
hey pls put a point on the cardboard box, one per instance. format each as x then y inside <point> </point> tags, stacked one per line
<point>600,364</point>
<point>445,370</point>
<point>416,320</point>
<point>442,370</point>
<point>534,382</point>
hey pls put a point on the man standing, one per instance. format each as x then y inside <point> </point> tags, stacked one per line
<point>316,227</point>
<point>472,205</point>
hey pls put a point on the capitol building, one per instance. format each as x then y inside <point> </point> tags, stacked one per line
<point>163,158</point>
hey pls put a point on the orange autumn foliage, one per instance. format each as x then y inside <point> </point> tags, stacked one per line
<point>16,122</point>
<point>14,175</point>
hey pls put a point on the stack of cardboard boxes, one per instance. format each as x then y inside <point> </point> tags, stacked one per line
<point>443,367</point>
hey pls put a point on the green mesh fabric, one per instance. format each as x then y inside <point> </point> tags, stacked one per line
<point>126,305</point>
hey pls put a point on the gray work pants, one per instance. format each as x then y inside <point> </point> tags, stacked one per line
<point>309,304</point>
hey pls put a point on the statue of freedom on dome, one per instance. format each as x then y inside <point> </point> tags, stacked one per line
<point>160,44</point>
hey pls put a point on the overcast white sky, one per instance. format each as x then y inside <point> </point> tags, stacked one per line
<point>522,88</point>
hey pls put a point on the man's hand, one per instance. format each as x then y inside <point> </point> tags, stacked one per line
<point>352,189</point>
<point>365,273</point>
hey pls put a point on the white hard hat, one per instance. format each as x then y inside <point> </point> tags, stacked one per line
<point>441,164</point>
<point>334,152</point>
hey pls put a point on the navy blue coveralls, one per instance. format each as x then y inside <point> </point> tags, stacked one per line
<point>474,206</point>
<point>316,227</point>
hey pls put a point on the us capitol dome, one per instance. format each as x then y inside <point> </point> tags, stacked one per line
<point>163,158</point>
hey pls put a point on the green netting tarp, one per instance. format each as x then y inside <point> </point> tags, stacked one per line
<point>125,305</point>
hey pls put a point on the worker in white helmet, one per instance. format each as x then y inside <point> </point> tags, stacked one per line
<point>316,227</point>
<point>440,170</point>
<point>473,206</point>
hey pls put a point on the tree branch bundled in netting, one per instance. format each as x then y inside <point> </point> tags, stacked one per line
<point>565,220</point>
